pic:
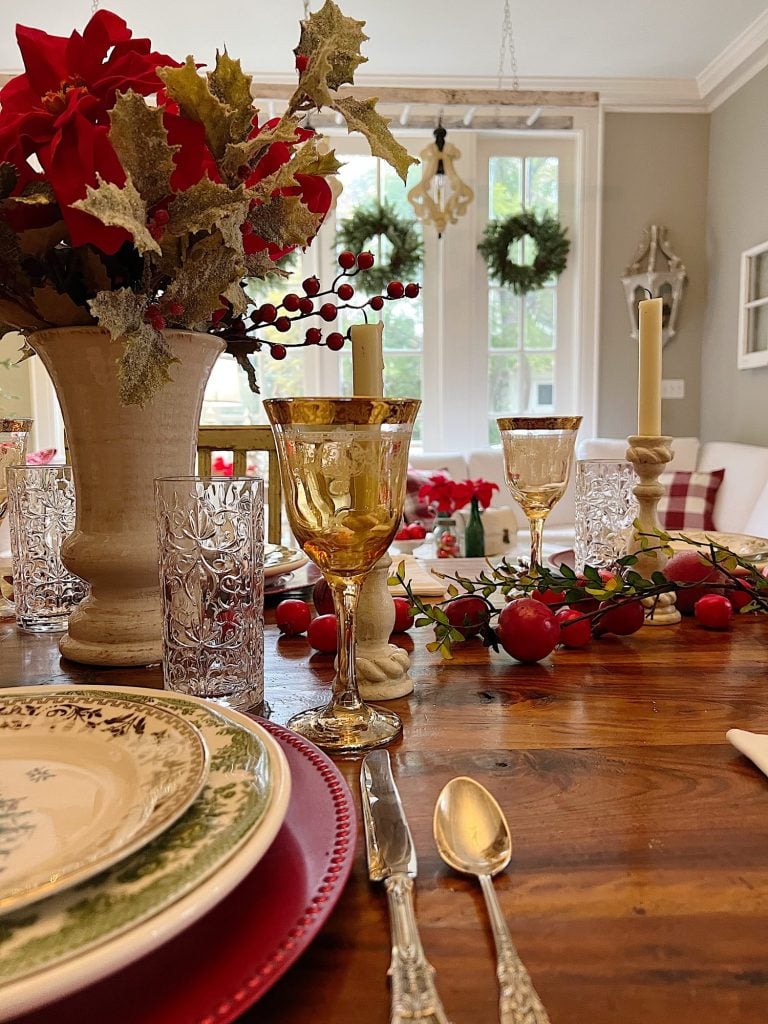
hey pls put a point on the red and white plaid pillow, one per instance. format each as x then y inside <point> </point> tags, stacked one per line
<point>689,500</point>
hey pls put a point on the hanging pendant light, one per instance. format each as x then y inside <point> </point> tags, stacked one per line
<point>441,197</point>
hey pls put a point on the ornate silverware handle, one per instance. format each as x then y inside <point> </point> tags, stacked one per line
<point>519,1001</point>
<point>414,996</point>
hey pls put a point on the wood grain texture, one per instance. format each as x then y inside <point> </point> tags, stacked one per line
<point>638,889</point>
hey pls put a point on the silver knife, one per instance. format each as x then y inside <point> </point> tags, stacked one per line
<point>392,860</point>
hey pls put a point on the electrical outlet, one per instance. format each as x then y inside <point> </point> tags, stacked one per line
<point>673,388</point>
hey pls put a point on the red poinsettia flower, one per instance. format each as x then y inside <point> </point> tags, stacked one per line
<point>448,495</point>
<point>315,192</point>
<point>58,112</point>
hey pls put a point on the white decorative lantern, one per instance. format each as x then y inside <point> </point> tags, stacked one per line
<point>441,197</point>
<point>643,276</point>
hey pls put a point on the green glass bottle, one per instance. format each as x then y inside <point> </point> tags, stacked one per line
<point>474,535</point>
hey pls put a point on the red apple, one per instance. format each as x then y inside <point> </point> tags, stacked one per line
<point>691,567</point>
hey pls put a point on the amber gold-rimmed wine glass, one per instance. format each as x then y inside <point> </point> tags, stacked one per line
<point>538,452</point>
<point>343,464</point>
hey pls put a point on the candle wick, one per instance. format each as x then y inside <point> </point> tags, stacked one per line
<point>648,292</point>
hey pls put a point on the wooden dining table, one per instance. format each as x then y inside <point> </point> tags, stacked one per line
<point>638,887</point>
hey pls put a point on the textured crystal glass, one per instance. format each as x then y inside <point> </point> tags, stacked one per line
<point>13,448</point>
<point>343,463</point>
<point>41,513</point>
<point>606,508</point>
<point>538,451</point>
<point>211,545</point>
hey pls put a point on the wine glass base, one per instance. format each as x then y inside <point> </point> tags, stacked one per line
<point>340,731</point>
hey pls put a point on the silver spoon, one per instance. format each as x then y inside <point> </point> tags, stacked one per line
<point>473,837</point>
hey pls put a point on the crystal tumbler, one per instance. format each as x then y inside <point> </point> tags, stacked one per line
<point>211,547</point>
<point>605,511</point>
<point>41,515</point>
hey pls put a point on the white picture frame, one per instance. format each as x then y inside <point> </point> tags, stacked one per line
<point>753,308</point>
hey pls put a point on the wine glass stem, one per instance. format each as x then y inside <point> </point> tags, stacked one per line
<point>346,595</point>
<point>537,539</point>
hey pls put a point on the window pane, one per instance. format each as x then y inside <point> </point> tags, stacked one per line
<point>540,319</point>
<point>504,384</point>
<point>505,193</point>
<point>358,176</point>
<point>542,184</point>
<point>539,383</point>
<point>758,285</point>
<point>503,318</point>
<point>757,336</point>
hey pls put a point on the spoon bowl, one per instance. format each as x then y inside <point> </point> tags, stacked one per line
<point>470,829</point>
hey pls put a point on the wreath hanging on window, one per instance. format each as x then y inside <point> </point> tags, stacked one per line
<point>368,223</point>
<point>552,248</point>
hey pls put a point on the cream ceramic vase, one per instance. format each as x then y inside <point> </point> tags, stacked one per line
<point>116,452</point>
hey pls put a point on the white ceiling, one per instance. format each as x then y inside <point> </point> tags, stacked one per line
<point>452,39</point>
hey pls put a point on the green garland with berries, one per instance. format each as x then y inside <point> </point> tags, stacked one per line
<point>552,247</point>
<point>606,603</point>
<point>380,220</point>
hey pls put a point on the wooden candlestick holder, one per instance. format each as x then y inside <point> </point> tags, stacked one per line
<point>649,456</point>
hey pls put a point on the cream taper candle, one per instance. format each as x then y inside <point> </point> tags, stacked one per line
<point>649,375</point>
<point>367,360</point>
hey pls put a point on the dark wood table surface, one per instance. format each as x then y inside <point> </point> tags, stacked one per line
<point>638,890</point>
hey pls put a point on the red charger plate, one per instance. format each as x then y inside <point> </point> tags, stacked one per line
<point>223,963</point>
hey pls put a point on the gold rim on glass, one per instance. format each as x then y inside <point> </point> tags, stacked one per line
<point>539,422</point>
<point>333,412</point>
<point>15,426</point>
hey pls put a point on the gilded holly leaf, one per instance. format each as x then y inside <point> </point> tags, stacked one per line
<point>93,269</point>
<point>120,208</point>
<point>236,297</point>
<point>317,157</point>
<point>313,83</point>
<point>345,36</point>
<point>232,86</point>
<point>140,140</point>
<point>207,205</point>
<point>36,193</point>
<point>16,317</point>
<point>361,116</point>
<point>143,368</point>
<point>259,265</point>
<point>8,179</point>
<point>38,241</point>
<point>58,308</point>
<point>209,269</point>
<point>248,153</point>
<point>284,221</point>
<point>196,101</point>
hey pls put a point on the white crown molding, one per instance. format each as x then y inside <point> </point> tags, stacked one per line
<point>736,64</point>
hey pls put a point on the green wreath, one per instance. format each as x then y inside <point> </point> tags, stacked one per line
<point>379,219</point>
<point>551,256</point>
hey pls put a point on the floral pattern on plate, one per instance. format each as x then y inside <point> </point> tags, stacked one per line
<point>233,801</point>
<point>84,781</point>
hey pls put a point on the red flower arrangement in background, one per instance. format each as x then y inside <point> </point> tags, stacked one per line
<point>447,495</point>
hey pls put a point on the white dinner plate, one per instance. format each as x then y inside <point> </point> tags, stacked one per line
<point>279,560</point>
<point>84,781</point>
<point>69,940</point>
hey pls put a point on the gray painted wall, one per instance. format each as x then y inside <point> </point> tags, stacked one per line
<point>654,172</point>
<point>733,402</point>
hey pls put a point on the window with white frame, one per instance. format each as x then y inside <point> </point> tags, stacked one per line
<point>471,350</point>
<point>753,311</point>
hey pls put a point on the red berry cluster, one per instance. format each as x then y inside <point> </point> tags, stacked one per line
<point>239,331</point>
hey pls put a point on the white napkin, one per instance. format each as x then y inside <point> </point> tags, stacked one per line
<point>752,744</point>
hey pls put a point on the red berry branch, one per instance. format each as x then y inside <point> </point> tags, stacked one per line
<point>244,334</point>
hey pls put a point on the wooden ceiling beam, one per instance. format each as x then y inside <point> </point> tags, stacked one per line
<point>447,97</point>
